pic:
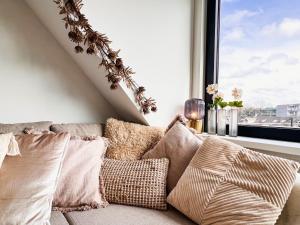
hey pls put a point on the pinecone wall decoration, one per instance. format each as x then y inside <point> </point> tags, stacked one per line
<point>95,43</point>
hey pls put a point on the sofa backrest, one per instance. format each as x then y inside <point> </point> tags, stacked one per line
<point>79,129</point>
<point>18,128</point>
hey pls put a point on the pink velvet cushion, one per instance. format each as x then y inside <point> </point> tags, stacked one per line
<point>28,182</point>
<point>178,145</point>
<point>78,187</point>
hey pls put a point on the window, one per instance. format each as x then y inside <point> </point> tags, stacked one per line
<point>255,45</point>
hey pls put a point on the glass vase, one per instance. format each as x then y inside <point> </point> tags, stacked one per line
<point>211,121</point>
<point>221,120</point>
<point>233,122</point>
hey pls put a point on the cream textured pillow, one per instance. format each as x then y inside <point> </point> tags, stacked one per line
<point>229,185</point>
<point>28,182</point>
<point>78,186</point>
<point>178,145</point>
<point>8,146</point>
<point>4,144</point>
<point>137,183</point>
<point>129,141</point>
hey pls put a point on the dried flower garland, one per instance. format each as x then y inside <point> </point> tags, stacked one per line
<point>81,33</point>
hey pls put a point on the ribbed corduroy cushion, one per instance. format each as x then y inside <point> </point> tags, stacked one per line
<point>227,184</point>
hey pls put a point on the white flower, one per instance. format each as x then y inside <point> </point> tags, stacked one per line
<point>212,89</point>
<point>218,95</point>
<point>237,94</point>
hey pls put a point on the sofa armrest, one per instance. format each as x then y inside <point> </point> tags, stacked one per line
<point>291,213</point>
<point>293,204</point>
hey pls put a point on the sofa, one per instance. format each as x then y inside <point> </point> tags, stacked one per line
<point>115,214</point>
<point>129,215</point>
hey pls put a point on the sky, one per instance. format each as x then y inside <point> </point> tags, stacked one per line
<point>260,51</point>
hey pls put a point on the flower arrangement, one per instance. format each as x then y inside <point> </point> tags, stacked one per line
<point>82,34</point>
<point>237,95</point>
<point>222,115</point>
<point>218,97</point>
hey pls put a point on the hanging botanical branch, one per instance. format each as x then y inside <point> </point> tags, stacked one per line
<point>82,34</point>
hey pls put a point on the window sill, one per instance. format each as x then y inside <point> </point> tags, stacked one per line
<point>285,147</point>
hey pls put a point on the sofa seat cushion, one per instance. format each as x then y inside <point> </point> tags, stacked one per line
<point>57,218</point>
<point>127,215</point>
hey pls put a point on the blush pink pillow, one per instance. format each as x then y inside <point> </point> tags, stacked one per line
<point>79,187</point>
<point>178,145</point>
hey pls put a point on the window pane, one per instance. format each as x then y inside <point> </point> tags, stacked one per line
<point>260,53</point>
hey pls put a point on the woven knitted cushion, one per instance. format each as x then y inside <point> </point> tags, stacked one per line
<point>229,185</point>
<point>137,183</point>
<point>129,141</point>
<point>178,145</point>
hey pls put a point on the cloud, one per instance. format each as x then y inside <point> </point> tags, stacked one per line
<point>257,70</point>
<point>268,76</point>
<point>282,58</point>
<point>289,27</point>
<point>263,65</point>
<point>238,16</point>
<point>234,34</point>
<point>255,59</point>
<point>233,24</point>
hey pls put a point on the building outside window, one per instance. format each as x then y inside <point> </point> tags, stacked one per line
<point>259,52</point>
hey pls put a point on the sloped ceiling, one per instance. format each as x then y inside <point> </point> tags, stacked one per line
<point>120,99</point>
<point>155,38</point>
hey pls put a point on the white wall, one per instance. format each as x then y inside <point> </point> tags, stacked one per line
<point>155,40</point>
<point>88,63</point>
<point>38,79</point>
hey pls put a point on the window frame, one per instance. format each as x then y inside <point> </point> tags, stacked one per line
<point>211,76</point>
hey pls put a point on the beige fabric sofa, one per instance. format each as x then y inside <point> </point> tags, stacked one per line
<point>121,215</point>
<point>128,215</point>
